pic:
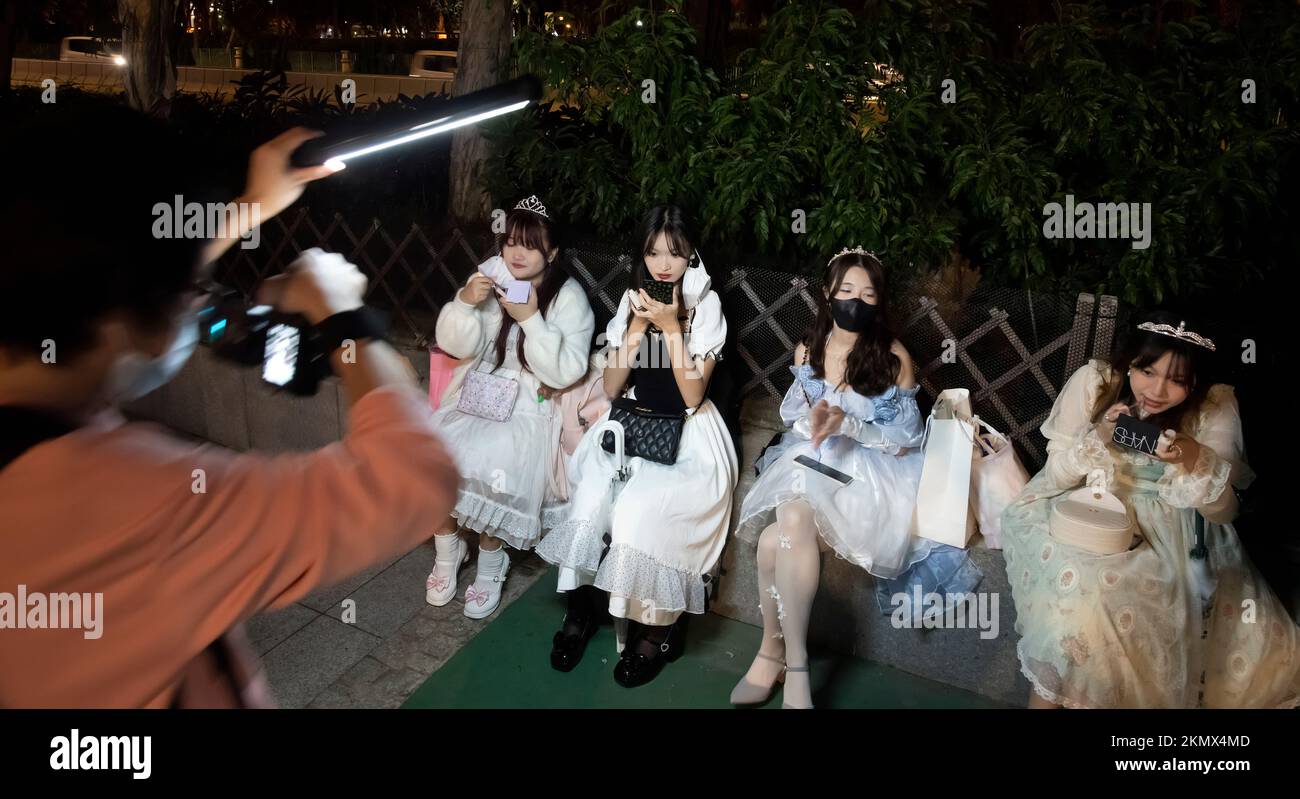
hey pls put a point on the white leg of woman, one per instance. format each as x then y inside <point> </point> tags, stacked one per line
<point>769,663</point>
<point>798,569</point>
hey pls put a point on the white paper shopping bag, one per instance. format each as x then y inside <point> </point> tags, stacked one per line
<point>943,510</point>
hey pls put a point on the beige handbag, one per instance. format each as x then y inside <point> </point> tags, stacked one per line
<point>1093,519</point>
<point>996,478</point>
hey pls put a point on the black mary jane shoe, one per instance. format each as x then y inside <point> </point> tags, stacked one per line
<point>567,648</point>
<point>635,668</point>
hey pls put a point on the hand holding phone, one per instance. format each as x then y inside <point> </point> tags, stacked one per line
<point>660,291</point>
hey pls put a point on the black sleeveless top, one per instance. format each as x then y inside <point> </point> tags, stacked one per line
<point>652,375</point>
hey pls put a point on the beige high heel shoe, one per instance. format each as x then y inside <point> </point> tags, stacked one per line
<point>784,705</point>
<point>746,693</point>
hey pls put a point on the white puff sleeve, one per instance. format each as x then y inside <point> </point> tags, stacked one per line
<point>617,326</point>
<point>1073,446</point>
<point>708,328</point>
<point>1220,464</point>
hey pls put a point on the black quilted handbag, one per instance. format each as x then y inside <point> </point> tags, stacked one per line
<point>653,435</point>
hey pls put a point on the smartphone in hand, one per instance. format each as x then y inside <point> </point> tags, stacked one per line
<point>659,291</point>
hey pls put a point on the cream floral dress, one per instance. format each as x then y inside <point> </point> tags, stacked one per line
<point>1153,626</point>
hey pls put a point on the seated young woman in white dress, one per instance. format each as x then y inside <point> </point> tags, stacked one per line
<point>665,523</point>
<point>853,408</point>
<point>513,351</point>
<point>1166,623</point>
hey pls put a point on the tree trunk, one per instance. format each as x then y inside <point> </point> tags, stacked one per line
<point>481,62</point>
<point>148,36</point>
<point>712,23</point>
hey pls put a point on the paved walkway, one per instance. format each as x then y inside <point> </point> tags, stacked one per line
<point>384,659</point>
<point>314,659</point>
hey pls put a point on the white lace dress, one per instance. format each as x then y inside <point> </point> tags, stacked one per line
<point>1150,627</point>
<point>503,465</point>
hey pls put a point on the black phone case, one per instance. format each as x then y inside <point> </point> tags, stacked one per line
<point>1136,434</point>
<point>659,291</point>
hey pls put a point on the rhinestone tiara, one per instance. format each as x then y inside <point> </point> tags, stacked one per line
<point>1180,332</point>
<point>531,203</point>
<point>852,251</point>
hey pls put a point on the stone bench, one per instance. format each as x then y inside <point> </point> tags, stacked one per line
<point>846,617</point>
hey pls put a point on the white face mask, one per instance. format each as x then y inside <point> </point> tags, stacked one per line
<point>135,374</point>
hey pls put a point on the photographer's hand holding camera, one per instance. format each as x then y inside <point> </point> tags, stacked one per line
<point>183,542</point>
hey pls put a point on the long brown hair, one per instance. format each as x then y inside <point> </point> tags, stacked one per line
<point>1191,364</point>
<point>871,367</point>
<point>535,232</point>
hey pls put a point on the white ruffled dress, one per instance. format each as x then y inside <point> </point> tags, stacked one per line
<point>867,521</point>
<point>665,524</point>
<point>503,465</point>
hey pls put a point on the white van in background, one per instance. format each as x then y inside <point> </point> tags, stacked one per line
<point>91,49</point>
<point>434,64</point>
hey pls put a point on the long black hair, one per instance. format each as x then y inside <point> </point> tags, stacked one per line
<point>535,232</point>
<point>1191,365</point>
<point>871,367</point>
<point>673,222</point>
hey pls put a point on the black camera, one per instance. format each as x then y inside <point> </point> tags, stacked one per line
<point>286,347</point>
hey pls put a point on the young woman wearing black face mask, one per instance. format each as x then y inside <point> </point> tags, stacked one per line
<point>853,408</point>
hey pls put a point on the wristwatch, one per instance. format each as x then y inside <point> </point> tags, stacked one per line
<point>354,325</point>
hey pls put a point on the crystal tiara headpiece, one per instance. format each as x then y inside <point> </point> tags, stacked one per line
<point>1180,332</point>
<point>852,251</point>
<point>531,203</point>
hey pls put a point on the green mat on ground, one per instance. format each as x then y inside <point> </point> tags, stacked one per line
<point>507,666</point>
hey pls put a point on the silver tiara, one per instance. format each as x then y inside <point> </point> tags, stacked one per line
<point>852,251</point>
<point>1179,332</point>
<point>531,203</point>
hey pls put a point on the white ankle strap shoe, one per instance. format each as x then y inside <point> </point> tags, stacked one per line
<point>484,594</point>
<point>440,587</point>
